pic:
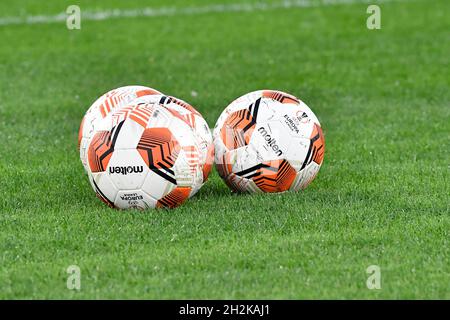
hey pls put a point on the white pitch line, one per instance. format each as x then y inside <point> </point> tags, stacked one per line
<point>87,15</point>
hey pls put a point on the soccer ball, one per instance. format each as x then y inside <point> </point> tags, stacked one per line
<point>144,155</point>
<point>101,108</point>
<point>268,141</point>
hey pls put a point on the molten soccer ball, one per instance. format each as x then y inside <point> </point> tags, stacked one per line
<point>268,141</point>
<point>145,155</point>
<point>101,108</point>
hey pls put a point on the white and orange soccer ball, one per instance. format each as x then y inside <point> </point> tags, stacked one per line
<point>149,153</point>
<point>268,141</point>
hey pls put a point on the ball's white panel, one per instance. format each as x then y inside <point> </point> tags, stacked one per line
<point>91,179</point>
<point>195,189</point>
<point>83,152</point>
<point>203,129</point>
<point>271,139</point>
<point>309,113</point>
<point>268,110</point>
<point>134,199</point>
<point>290,118</point>
<point>297,151</point>
<point>157,186</point>
<point>127,169</point>
<point>305,176</point>
<point>103,185</point>
<point>219,148</point>
<point>130,134</point>
<point>244,158</point>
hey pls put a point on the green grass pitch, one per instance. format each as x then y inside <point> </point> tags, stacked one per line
<point>381,197</point>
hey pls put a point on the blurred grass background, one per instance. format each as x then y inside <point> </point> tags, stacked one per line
<point>381,197</point>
